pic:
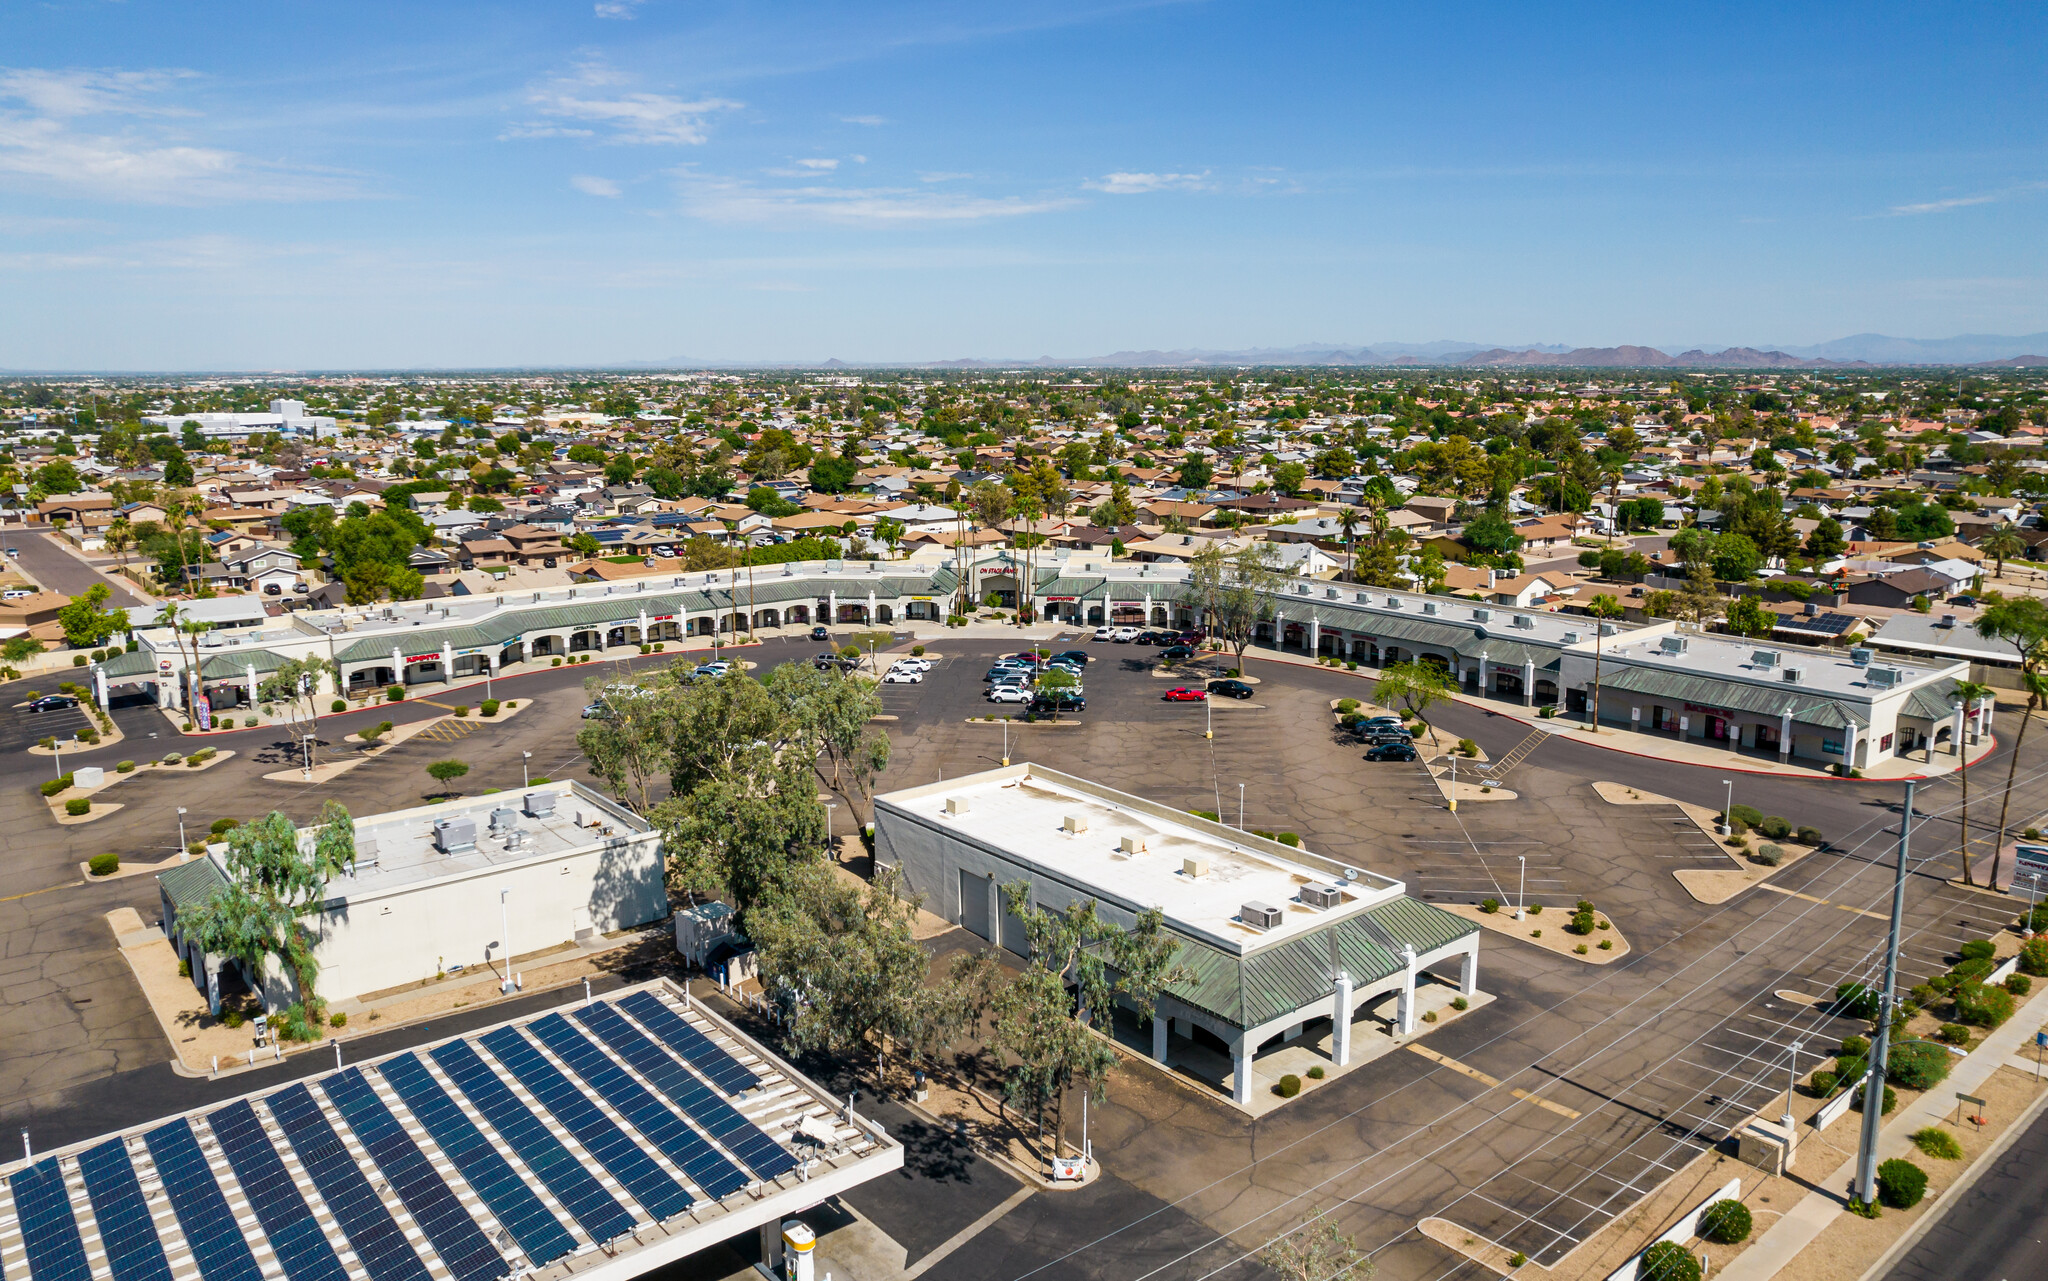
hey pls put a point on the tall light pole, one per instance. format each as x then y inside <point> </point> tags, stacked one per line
<point>182,847</point>
<point>1880,1041</point>
<point>1522,887</point>
<point>1208,717</point>
<point>505,933</point>
<point>1240,807</point>
<point>1728,808</point>
<point>1791,1087</point>
<point>2033,891</point>
<point>524,779</point>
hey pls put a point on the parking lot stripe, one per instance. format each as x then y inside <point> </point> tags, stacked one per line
<point>1477,1075</point>
<point>1791,893</point>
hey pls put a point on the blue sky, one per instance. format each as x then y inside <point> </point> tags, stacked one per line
<point>224,186</point>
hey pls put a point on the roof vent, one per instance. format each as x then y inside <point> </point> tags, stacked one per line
<point>1194,867</point>
<point>455,835</point>
<point>504,818</point>
<point>1364,598</point>
<point>1764,658</point>
<point>956,805</point>
<point>1321,897</point>
<point>1860,656</point>
<point>1793,675</point>
<point>1074,824</point>
<point>1673,644</point>
<point>1259,916</point>
<point>1132,845</point>
<point>540,804</point>
<point>1330,592</point>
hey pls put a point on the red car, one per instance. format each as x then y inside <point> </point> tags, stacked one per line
<point>1186,694</point>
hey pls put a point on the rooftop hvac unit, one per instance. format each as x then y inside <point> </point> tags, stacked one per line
<point>1764,658</point>
<point>956,805</point>
<point>1860,656</point>
<point>1330,592</point>
<point>1482,615</point>
<point>1259,916</point>
<point>1884,677</point>
<point>455,835</point>
<point>1525,622</point>
<point>1132,845</point>
<point>1947,620</point>
<point>1429,607</point>
<point>1393,602</point>
<point>1194,867</point>
<point>504,818</point>
<point>1323,897</point>
<point>1365,598</point>
<point>540,804</point>
<point>1074,823</point>
<point>1672,644</point>
<point>1571,638</point>
<point>1793,675</point>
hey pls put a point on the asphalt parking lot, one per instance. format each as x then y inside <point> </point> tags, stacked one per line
<point>1623,1071</point>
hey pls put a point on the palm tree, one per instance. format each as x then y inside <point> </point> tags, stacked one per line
<point>1349,523</point>
<point>1969,693</point>
<point>2002,544</point>
<point>120,536</point>
<point>2023,624</point>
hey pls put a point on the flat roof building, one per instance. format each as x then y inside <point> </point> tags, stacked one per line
<point>438,887</point>
<point>600,1140</point>
<point>1275,940</point>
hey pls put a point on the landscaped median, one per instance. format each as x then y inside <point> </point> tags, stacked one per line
<point>1581,933</point>
<point>72,801</point>
<point>1758,845</point>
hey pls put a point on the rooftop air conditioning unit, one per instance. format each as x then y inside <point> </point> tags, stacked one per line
<point>1525,622</point>
<point>1132,845</point>
<point>1884,677</point>
<point>1075,823</point>
<point>455,835</point>
<point>1571,638</point>
<point>1330,592</point>
<point>956,805</point>
<point>1323,897</point>
<point>1259,916</point>
<point>1793,675</point>
<point>1364,598</point>
<point>1947,620</point>
<point>504,818</point>
<point>1860,656</point>
<point>540,804</point>
<point>1482,615</point>
<point>1194,867</point>
<point>1393,602</point>
<point>1673,644</point>
<point>1764,658</point>
<point>1429,607</point>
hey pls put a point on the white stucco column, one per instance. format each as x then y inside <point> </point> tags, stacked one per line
<point>1148,609</point>
<point>1162,1027</point>
<point>397,666</point>
<point>1529,682</point>
<point>1485,675</point>
<point>1635,720</point>
<point>1468,969</point>
<point>1315,634</point>
<point>249,680</point>
<point>1785,734</point>
<point>1404,1018</point>
<point>831,608</point>
<point>1241,1070</point>
<point>99,685</point>
<point>1340,1021</point>
<point>1849,748</point>
<point>1279,630</point>
<point>871,612</point>
<point>1955,734</point>
<point>447,665</point>
<point>643,626</point>
<point>1108,609</point>
<point>1684,728</point>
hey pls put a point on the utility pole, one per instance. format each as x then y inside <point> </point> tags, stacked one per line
<point>1880,1041</point>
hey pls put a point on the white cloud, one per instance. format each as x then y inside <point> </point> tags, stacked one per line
<point>591,186</point>
<point>870,121</point>
<point>595,99</point>
<point>1132,184</point>
<point>1939,206</point>
<point>818,163</point>
<point>733,201</point>
<point>137,158</point>
<point>942,177</point>
<point>620,9</point>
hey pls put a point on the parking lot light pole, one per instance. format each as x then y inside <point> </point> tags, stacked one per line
<point>1522,888</point>
<point>2033,892</point>
<point>1880,1040</point>
<point>1791,1087</point>
<point>1728,808</point>
<point>182,847</point>
<point>1209,718</point>
<point>1240,807</point>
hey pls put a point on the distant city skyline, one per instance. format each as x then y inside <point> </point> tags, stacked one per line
<point>644,181</point>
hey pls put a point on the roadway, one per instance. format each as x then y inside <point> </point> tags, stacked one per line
<point>1998,1228</point>
<point>59,569</point>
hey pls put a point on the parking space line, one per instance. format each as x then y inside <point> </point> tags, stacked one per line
<point>1477,1075</point>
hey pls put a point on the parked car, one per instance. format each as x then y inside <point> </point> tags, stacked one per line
<point>52,703</point>
<point>1230,689</point>
<point>921,664</point>
<point>1008,667</point>
<point>821,633</point>
<point>903,676</point>
<point>1375,737</point>
<point>1066,701</point>
<point>1124,635</point>
<point>1008,694</point>
<point>596,712</point>
<point>1176,653</point>
<point>1071,656</point>
<point>1150,637</point>
<point>1105,633</point>
<point>1371,722</point>
<point>1395,751</point>
<point>829,661</point>
<point>1185,694</point>
<point>714,669</point>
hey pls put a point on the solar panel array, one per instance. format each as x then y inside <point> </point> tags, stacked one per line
<point>472,1161</point>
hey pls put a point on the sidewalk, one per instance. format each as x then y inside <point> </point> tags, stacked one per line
<point>1655,745</point>
<point>1776,1248</point>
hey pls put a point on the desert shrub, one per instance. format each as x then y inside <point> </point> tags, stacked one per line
<point>104,864</point>
<point>1288,1087</point>
<point>1900,1183</point>
<point>1290,839</point>
<point>172,758</point>
<point>337,1020</point>
<point>1982,1004</point>
<point>1973,970</point>
<point>1916,1066</point>
<point>1857,999</point>
<point>1430,1017</point>
<point>2034,956</point>
<point>1855,1046</point>
<point>1316,1073</point>
<point>1490,906</point>
<point>1978,950</point>
<point>1345,705</point>
<point>222,826</point>
<point>1668,1261</point>
<point>556,663</point>
<point>1938,1143</point>
<point>1770,855</point>
<point>2035,921</point>
<point>1536,909</point>
<point>1748,815</point>
<point>1467,748</point>
<point>917,651</point>
<point>1775,828</point>
<point>125,767</point>
<point>1725,1222</point>
<point>78,805</point>
<point>53,786</point>
<point>1891,1098</point>
<point>1460,1003</point>
<point>2018,984</point>
<point>1582,921</point>
<point>47,741</point>
<point>1808,836</point>
<point>1580,949</point>
<point>394,694</point>
<point>78,660</point>
<point>338,705</point>
<point>233,1018</point>
<point>1823,1083</point>
<point>200,757</point>
<point>1607,945</point>
<point>462,709</point>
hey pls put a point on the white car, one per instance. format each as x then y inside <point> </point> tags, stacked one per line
<point>1105,633</point>
<point>1125,635</point>
<point>921,664</point>
<point>903,676</point>
<point>1009,694</point>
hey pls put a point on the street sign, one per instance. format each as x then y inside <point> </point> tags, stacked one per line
<point>1977,1118</point>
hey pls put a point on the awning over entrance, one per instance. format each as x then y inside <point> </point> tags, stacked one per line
<point>1806,708</point>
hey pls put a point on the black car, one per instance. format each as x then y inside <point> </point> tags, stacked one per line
<point>1046,704</point>
<point>1175,653</point>
<point>821,633</point>
<point>1079,656</point>
<point>1395,751</point>
<point>1157,638</point>
<point>52,703</point>
<point>1230,689</point>
<point>829,661</point>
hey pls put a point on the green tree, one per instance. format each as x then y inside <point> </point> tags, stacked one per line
<point>446,772</point>
<point>1735,558</point>
<point>1231,590</point>
<point>1413,684</point>
<point>2023,624</point>
<point>1055,683</point>
<point>1117,509</point>
<point>1748,616</point>
<point>833,717</point>
<point>274,880</point>
<point>1490,533</point>
<point>58,477</point>
<point>2002,544</point>
<point>87,622</point>
<point>890,533</point>
<point>628,745</point>
<point>1317,1251</point>
<point>1288,478</point>
<point>295,687</point>
<point>1969,694</point>
<point>1826,541</point>
<point>1196,473</point>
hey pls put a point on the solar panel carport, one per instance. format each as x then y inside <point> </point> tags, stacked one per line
<point>636,1130</point>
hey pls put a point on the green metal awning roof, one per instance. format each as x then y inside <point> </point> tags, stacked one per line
<point>190,884</point>
<point>237,664</point>
<point>1812,709</point>
<point>1936,702</point>
<point>120,666</point>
